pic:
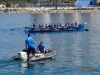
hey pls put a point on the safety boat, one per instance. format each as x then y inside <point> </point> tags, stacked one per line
<point>33,30</point>
<point>38,56</point>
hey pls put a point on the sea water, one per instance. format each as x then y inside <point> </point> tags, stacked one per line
<point>78,53</point>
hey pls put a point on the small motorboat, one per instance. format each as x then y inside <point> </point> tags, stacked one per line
<point>38,56</point>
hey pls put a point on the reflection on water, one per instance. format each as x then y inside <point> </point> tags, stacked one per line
<point>26,64</point>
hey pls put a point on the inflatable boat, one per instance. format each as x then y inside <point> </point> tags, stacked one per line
<point>38,56</point>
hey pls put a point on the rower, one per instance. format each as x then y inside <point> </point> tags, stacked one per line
<point>54,25</point>
<point>72,25</point>
<point>60,25</point>
<point>65,25</point>
<point>50,26</point>
<point>68,25</point>
<point>40,26</point>
<point>76,24</point>
<point>46,26</point>
<point>57,25</point>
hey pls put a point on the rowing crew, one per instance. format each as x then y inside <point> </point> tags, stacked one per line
<point>51,26</point>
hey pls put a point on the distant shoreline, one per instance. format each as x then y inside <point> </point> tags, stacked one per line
<point>44,11</point>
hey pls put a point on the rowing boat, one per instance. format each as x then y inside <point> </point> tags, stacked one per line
<point>33,30</point>
<point>38,56</point>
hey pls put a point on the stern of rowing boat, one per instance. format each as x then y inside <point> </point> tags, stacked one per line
<point>81,28</point>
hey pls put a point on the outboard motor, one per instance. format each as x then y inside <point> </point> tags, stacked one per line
<point>22,56</point>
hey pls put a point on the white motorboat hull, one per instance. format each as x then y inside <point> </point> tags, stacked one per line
<point>38,56</point>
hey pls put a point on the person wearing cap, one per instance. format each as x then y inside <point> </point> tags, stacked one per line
<point>29,44</point>
<point>41,48</point>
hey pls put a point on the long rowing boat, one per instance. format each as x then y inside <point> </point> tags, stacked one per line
<point>33,30</point>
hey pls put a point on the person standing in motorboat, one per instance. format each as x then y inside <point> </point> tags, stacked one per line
<point>41,48</point>
<point>29,44</point>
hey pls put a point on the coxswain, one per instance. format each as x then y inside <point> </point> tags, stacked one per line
<point>34,24</point>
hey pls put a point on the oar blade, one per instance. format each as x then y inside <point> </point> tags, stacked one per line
<point>86,29</point>
<point>12,29</point>
<point>85,22</point>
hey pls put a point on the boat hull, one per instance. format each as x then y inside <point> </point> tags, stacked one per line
<point>33,30</point>
<point>38,56</point>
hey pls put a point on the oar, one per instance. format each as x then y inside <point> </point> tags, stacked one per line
<point>86,30</point>
<point>84,24</point>
<point>12,29</point>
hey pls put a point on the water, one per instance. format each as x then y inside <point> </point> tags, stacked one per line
<point>77,52</point>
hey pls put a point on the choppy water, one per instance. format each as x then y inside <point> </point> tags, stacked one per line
<point>78,53</point>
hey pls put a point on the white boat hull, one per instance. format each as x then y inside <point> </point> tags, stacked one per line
<point>38,56</point>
